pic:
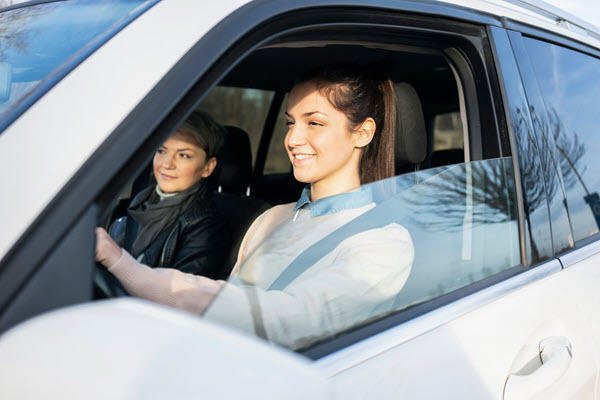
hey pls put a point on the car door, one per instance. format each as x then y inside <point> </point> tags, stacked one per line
<point>563,105</point>
<point>528,336</point>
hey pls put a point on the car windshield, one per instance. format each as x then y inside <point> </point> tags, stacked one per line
<point>41,43</point>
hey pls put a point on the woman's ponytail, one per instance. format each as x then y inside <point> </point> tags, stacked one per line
<point>377,161</point>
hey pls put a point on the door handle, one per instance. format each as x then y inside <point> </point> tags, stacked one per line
<point>555,355</point>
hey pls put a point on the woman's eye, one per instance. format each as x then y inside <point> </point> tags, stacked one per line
<point>314,123</point>
<point>185,156</point>
<point>160,151</point>
<point>288,123</point>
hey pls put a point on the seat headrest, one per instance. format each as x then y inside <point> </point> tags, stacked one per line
<point>234,162</point>
<point>411,137</point>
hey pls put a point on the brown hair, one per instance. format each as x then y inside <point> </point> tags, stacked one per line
<point>361,93</point>
<point>205,130</point>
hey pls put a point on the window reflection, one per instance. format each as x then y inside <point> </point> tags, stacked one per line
<point>571,96</point>
<point>38,39</point>
<point>537,231</point>
<point>411,238</point>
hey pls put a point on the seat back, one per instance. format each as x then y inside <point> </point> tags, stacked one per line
<point>411,137</point>
<point>232,178</point>
<point>240,212</point>
<point>234,163</point>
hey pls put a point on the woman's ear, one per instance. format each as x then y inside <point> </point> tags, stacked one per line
<point>364,134</point>
<point>210,167</point>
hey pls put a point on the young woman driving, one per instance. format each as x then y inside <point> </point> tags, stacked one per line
<point>341,133</point>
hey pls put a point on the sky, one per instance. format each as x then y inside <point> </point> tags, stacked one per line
<point>587,10</point>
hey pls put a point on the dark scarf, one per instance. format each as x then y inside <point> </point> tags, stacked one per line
<point>155,215</point>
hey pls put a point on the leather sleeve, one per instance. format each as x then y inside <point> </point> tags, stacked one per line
<point>203,247</point>
<point>117,231</point>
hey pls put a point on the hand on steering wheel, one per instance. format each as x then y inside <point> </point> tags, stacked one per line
<point>107,254</point>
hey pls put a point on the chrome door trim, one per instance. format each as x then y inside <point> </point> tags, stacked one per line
<point>357,353</point>
<point>579,254</point>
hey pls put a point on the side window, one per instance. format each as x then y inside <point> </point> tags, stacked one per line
<point>448,139</point>
<point>568,83</point>
<point>463,224</point>
<point>397,243</point>
<point>277,158</point>
<point>242,108</point>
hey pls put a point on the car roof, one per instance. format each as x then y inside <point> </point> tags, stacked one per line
<point>536,13</point>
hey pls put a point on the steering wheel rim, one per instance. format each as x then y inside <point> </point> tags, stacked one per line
<point>107,284</point>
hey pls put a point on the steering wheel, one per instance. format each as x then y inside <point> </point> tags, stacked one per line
<point>105,283</point>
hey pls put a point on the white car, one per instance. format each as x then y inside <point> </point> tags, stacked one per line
<point>496,183</point>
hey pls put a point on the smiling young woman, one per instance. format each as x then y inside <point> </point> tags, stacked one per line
<point>341,133</point>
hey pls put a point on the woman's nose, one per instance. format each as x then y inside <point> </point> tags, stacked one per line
<point>295,136</point>
<point>168,162</point>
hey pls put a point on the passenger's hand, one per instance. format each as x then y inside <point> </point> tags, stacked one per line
<point>107,251</point>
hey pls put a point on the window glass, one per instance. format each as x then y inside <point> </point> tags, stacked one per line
<point>384,247</point>
<point>37,40</point>
<point>447,132</point>
<point>562,237</point>
<point>569,84</point>
<point>536,222</point>
<point>246,109</point>
<point>277,157</point>
<point>448,140</point>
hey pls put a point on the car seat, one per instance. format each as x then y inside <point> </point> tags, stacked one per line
<point>232,178</point>
<point>411,137</point>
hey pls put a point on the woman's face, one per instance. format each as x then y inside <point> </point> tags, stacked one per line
<point>179,163</point>
<point>322,149</point>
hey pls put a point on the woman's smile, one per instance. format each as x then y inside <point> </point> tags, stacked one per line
<point>301,158</point>
<point>167,177</point>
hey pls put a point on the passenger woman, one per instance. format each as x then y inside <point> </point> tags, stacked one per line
<point>178,225</point>
<point>341,136</point>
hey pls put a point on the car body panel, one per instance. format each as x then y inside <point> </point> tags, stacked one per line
<point>133,349</point>
<point>472,356</point>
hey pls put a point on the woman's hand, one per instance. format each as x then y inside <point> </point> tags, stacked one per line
<point>107,251</point>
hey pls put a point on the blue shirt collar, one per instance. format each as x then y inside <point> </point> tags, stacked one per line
<point>335,203</point>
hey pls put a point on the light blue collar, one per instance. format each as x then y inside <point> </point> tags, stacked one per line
<point>335,203</point>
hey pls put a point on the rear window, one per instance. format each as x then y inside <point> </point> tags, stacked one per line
<point>40,43</point>
<point>567,82</point>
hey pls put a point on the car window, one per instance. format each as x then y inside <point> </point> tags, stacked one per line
<point>448,139</point>
<point>38,39</point>
<point>447,131</point>
<point>277,157</point>
<point>537,232</point>
<point>243,108</point>
<point>411,238</point>
<point>425,233</point>
<point>569,96</point>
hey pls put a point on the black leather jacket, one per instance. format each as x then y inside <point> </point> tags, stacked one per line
<point>198,242</point>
